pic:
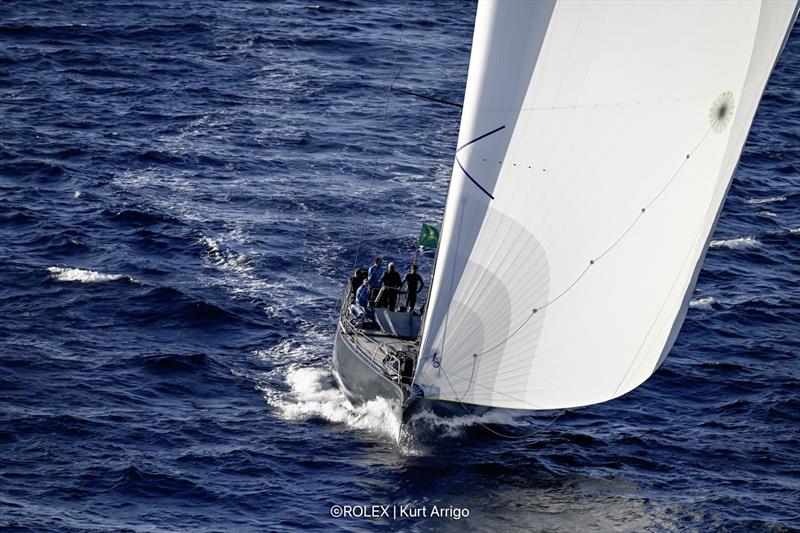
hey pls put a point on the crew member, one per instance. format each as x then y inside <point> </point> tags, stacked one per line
<point>355,282</point>
<point>362,294</point>
<point>415,284</point>
<point>362,302</point>
<point>374,275</point>
<point>390,281</point>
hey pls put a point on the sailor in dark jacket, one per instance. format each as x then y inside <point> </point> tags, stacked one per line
<point>390,284</point>
<point>415,284</point>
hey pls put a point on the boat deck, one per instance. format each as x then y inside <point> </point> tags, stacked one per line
<point>390,346</point>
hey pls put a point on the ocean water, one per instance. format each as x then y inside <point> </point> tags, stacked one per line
<point>182,189</point>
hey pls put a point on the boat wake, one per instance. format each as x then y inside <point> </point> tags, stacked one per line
<point>238,268</point>
<point>456,425</point>
<point>313,394</point>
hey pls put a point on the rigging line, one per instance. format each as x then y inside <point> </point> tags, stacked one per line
<point>433,172</point>
<point>436,158</point>
<point>504,394</point>
<point>495,432</point>
<point>652,325</point>
<point>392,238</point>
<point>396,73</point>
<point>607,250</point>
<point>425,97</point>
<point>476,139</point>
<point>400,233</point>
<point>469,383</point>
<point>636,356</point>
<point>435,161</point>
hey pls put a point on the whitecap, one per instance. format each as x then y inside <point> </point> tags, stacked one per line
<point>770,200</point>
<point>83,276</point>
<point>766,214</point>
<point>703,303</point>
<point>77,194</point>
<point>795,231</point>
<point>733,244</point>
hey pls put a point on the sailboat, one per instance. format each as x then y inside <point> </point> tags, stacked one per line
<point>598,140</point>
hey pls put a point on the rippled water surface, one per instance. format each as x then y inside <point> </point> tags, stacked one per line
<point>182,187</point>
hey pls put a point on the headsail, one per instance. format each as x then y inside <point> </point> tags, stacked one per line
<point>597,142</point>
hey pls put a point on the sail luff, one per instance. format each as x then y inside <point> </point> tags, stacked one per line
<point>466,194</point>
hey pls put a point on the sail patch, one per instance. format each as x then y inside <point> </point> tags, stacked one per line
<point>721,113</point>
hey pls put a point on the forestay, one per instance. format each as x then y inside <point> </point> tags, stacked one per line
<point>597,143</point>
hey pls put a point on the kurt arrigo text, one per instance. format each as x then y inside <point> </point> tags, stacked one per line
<point>395,511</point>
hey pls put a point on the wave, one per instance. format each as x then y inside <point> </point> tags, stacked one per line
<point>314,395</point>
<point>766,214</point>
<point>454,426</point>
<point>176,363</point>
<point>32,168</point>
<point>770,200</point>
<point>703,303</point>
<point>132,480</point>
<point>138,217</point>
<point>733,244</point>
<point>84,276</point>
<point>169,305</point>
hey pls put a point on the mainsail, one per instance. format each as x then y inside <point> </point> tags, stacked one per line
<point>597,143</point>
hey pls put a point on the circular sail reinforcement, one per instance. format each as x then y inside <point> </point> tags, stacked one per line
<point>721,113</point>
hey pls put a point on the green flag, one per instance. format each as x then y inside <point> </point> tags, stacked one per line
<point>428,236</point>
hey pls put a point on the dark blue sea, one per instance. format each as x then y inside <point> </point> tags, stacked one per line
<point>182,186</point>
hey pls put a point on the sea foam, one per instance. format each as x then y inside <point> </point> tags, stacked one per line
<point>238,268</point>
<point>83,276</point>
<point>770,200</point>
<point>455,425</point>
<point>733,244</point>
<point>703,303</point>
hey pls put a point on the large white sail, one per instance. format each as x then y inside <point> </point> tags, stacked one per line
<point>597,143</point>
